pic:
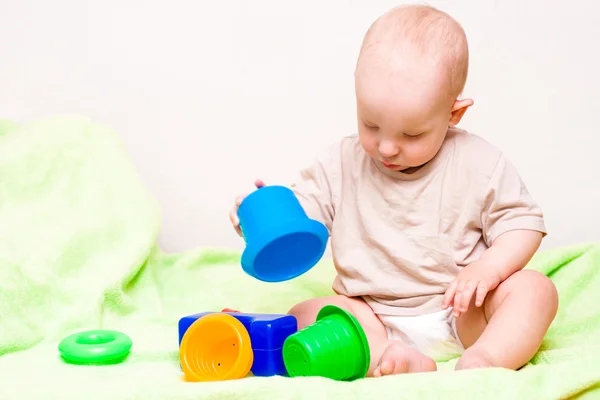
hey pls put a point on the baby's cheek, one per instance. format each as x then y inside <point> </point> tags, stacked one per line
<point>368,143</point>
<point>424,150</point>
<point>414,153</point>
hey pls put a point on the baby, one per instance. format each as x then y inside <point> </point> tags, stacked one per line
<point>431,227</point>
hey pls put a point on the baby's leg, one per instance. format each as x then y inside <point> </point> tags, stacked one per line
<point>509,328</point>
<point>387,356</point>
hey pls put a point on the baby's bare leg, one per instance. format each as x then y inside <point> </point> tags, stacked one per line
<point>387,356</point>
<point>508,330</point>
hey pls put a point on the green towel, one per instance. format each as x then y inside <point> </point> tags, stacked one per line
<point>78,251</point>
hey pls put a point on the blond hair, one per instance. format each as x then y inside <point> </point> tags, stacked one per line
<point>426,32</point>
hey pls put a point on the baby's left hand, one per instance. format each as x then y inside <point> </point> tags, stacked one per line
<point>475,279</point>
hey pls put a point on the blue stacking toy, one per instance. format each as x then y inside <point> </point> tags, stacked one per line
<point>267,334</point>
<point>282,242</point>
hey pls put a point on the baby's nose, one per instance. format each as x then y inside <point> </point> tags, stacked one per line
<point>388,149</point>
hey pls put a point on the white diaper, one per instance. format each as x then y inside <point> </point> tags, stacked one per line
<point>433,334</point>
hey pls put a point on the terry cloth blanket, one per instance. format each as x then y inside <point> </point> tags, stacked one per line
<point>78,251</point>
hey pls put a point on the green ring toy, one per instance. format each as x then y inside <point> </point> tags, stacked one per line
<point>96,347</point>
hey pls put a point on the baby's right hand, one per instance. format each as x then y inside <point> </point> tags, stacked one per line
<point>233,216</point>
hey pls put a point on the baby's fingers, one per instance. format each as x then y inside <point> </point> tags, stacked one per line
<point>233,216</point>
<point>238,201</point>
<point>482,291</point>
<point>235,221</point>
<point>465,297</point>
<point>449,295</point>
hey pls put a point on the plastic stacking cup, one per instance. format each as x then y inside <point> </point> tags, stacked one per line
<point>335,347</point>
<point>281,241</point>
<point>216,347</point>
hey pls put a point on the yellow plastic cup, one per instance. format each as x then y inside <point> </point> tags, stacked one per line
<point>216,347</point>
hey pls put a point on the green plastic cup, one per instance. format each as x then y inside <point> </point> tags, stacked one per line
<point>335,347</point>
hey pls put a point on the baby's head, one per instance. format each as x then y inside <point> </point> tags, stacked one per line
<point>410,72</point>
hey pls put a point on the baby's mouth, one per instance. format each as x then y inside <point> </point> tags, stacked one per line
<point>390,165</point>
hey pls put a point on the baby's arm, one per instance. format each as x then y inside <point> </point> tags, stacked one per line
<point>314,189</point>
<point>511,252</point>
<point>513,227</point>
<point>317,186</point>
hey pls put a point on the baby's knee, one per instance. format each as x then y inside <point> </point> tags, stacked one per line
<point>538,285</point>
<point>306,311</point>
<point>305,307</point>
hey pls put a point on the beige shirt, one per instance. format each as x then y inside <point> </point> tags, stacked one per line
<point>399,239</point>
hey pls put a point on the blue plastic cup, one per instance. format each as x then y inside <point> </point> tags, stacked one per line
<point>281,241</point>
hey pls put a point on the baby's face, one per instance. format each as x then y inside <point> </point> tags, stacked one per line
<point>403,116</point>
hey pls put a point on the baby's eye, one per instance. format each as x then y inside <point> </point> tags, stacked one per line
<point>369,125</point>
<point>413,135</point>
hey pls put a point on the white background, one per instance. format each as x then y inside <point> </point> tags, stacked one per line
<point>208,95</point>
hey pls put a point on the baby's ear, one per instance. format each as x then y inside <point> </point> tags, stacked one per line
<point>459,108</point>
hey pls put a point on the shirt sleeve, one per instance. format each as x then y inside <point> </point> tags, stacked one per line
<point>508,205</point>
<point>314,187</point>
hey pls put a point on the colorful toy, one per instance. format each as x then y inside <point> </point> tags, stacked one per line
<point>281,241</point>
<point>229,345</point>
<point>335,347</point>
<point>95,347</point>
